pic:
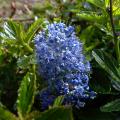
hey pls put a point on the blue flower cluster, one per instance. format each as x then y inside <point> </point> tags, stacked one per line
<point>63,65</point>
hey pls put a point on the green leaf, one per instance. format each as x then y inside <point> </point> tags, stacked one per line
<point>26,94</point>
<point>107,3</point>
<point>32,115</point>
<point>33,29</point>
<point>13,31</point>
<point>25,61</point>
<point>58,113</point>
<point>98,3</point>
<point>116,7</point>
<point>116,85</point>
<point>108,64</point>
<point>6,115</point>
<point>58,101</point>
<point>1,56</point>
<point>89,30</point>
<point>111,106</point>
<point>91,16</point>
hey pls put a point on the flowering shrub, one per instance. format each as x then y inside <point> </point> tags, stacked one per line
<point>63,65</point>
<point>45,76</point>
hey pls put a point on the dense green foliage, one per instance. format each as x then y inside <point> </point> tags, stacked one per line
<point>97,24</point>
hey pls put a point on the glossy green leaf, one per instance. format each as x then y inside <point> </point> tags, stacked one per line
<point>89,30</point>
<point>26,94</point>
<point>58,101</point>
<point>107,3</point>
<point>108,64</point>
<point>13,31</point>
<point>90,16</point>
<point>116,85</point>
<point>58,113</point>
<point>111,106</point>
<point>33,29</point>
<point>1,56</point>
<point>98,3</point>
<point>6,115</point>
<point>116,7</point>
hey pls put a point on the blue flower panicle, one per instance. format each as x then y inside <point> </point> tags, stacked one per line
<point>63,65</point>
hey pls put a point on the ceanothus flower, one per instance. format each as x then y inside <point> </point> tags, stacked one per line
<point>63,66</point>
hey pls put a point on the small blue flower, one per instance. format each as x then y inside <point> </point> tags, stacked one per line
<point>63,65</point>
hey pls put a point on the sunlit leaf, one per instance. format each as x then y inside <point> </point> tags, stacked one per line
<point>33,29</point>
<point>58,101</point>
<point>6,115</point>
<point>107,3</point>
<point>26,94</point>
<point>13,31</point>
<point>91,16</point>
<point>98,3</point>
